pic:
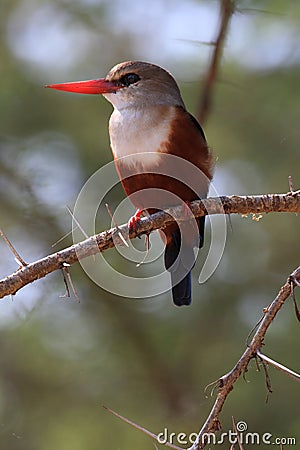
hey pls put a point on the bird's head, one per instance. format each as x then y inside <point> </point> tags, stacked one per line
<point>133,84</point>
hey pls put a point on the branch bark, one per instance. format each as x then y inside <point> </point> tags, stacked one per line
<point>257,204</point>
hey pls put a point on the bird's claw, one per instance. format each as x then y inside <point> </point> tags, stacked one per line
<point>135,219</point>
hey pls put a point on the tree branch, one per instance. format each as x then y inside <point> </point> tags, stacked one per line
<point>257,204</point>
<point>227,381</point>
<point>227,9</point>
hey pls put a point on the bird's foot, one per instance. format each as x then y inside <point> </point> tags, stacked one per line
<point>135,219</point>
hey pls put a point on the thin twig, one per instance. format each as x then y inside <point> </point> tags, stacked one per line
<point>234,204</point>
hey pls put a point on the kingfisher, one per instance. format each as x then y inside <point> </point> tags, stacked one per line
<point>152,136</point>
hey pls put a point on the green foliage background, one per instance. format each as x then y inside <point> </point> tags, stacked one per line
<point>60,360</point>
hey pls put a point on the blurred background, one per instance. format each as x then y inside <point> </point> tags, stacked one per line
<point>61,359</point>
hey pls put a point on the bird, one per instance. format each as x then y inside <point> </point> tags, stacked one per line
<point>153,136</point>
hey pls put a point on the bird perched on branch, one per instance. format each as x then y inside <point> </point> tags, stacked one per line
<point>160,153</point>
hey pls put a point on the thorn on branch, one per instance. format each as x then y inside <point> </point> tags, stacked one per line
<point>68,280</point>
<point>291,184</point>
<point>267,376</point>
<point>61,239</point>
<point>142,429</point>
<point>67,293</point>
<point>75,228</point>
<point>18,258</point>
<point>237,434</point>
<point>294,375</point>
<point>77,223</point>
<point>244,375</point>
<point>230,222</point>
<point>257,11</point>
<point>293,281</point>
<point>116,225</point>
<point>147,243</point>
<point>251,333</point>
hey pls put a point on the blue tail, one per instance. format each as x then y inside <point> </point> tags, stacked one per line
<point>179,260</point>
<point>182,291</point>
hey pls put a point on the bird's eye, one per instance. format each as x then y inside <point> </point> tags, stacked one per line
<point>130,78</point>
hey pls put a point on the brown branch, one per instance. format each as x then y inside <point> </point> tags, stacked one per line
<point>227,9</point>
<point>258,204</point>
<point>227,381</point>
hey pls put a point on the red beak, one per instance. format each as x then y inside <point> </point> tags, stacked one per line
<point>100,86</point>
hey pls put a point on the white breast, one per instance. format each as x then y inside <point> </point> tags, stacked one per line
<point>140,135</point>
